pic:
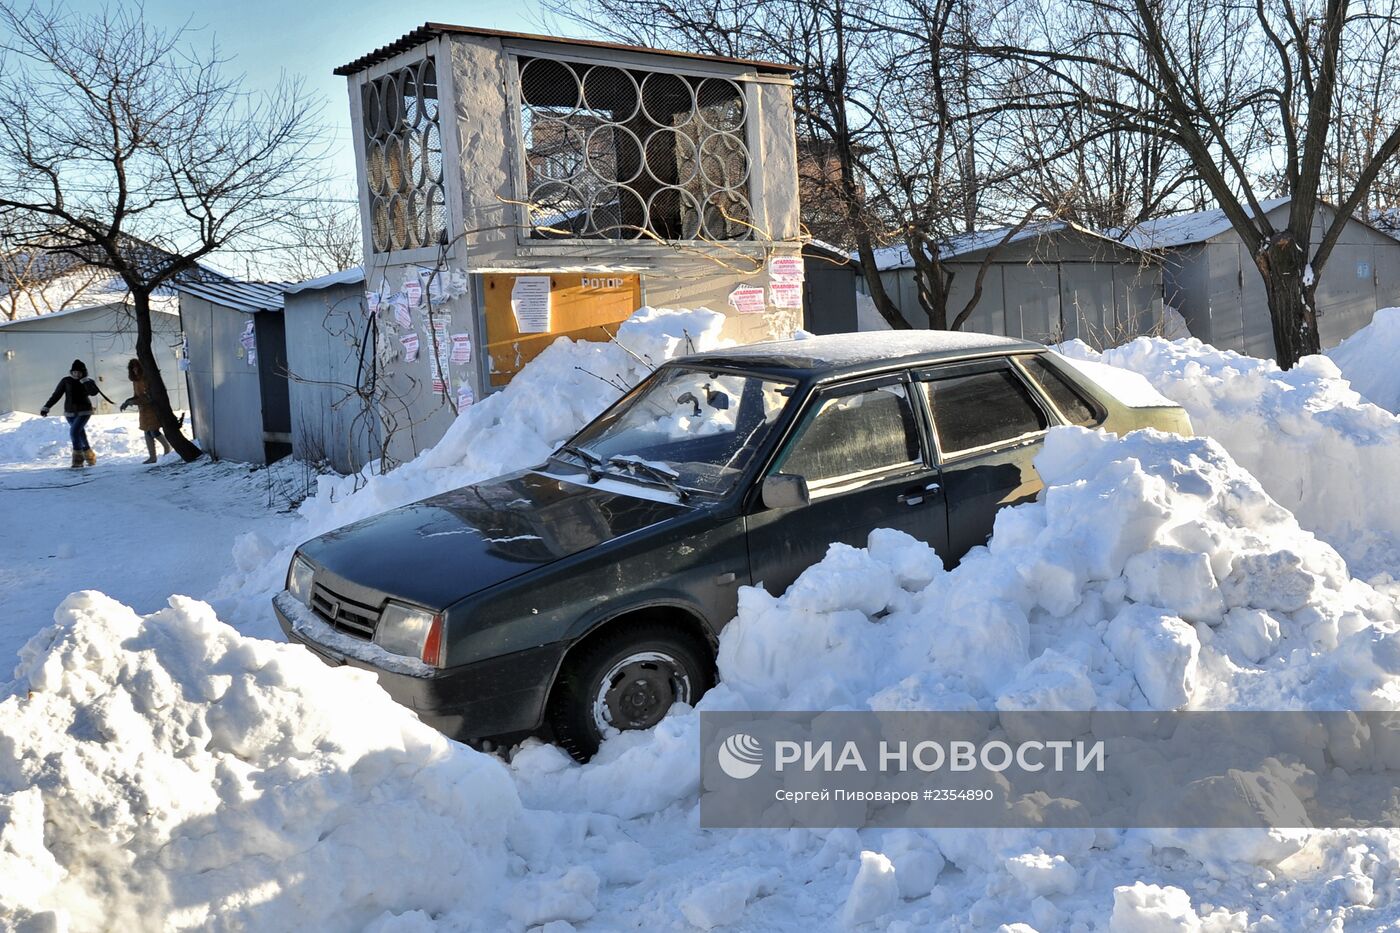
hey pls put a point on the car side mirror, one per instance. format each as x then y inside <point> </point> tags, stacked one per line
<point>785,491</point>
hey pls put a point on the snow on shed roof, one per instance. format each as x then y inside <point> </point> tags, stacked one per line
<point>837,350</point>
<point>249,297</point>
<point>428,31</point>
<point>1185,229</point>
<point>898,257</point>
<point>157,307</point>
<point>352,276</point>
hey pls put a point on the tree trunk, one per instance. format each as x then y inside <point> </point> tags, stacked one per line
<point>1291,309</point>
<point>155,382</point>
<point>932,284</point>
<point>866,250</point>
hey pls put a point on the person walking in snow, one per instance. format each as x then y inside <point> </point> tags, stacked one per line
<point>141,398</point>
<point>77,389</point>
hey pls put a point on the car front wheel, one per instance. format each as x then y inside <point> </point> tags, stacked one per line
<point>627,679</point>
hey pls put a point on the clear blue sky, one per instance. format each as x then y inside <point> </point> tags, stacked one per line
<point>266,37</point>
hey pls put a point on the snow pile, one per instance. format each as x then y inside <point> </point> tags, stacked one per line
<point>166,771</point>
<point>1367,359</point>
<point>1318,448</point>
<point>31,440</point>
<point>559,392</point>
<point>1174,326</point>
<point>1154,573</point>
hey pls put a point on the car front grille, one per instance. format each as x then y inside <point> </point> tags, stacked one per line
<point>343,614</point>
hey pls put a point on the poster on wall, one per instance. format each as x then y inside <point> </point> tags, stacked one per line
<point>747,299</point>
<point>461,348</point>
<point>465,397</point>
<point>401,314</point>
<point>786,269</point>
<point>410,347</point>
<point>248,343</point>
<point>529,302</point>
<point>786,295</point>
<point>412,291</point>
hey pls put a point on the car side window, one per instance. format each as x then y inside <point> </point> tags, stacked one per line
<point>1069,400</point>
<point>860,434</point>
<point>981,409</point>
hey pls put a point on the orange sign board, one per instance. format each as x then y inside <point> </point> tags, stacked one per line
<point>581,307</point>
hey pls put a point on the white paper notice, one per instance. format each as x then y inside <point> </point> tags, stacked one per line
<point>785,294</point>
<point>529,300</point>
<point>785,269</point>
<point>465,398</point>
<point>461,348</point>
<point>410,347</point>
<point>747,299</point>
<point>401,313</point>
<point>372,301</point>
<point>413,292</point>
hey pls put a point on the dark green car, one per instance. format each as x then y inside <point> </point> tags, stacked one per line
<point>587,593</point>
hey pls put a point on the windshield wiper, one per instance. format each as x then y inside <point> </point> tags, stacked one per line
<point>591,461</point>
<point>661,474</point>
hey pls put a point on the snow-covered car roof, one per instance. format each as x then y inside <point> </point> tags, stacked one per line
<point>846,351</point>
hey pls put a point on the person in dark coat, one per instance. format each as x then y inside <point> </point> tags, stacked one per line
<point>77,390</point>
<point>141,398</point>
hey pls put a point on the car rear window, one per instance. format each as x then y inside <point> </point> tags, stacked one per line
<point>1071,403</point>
<point>980,409</point>
<point>853,435</point>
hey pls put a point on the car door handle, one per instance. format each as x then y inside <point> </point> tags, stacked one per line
<point>911,498</point>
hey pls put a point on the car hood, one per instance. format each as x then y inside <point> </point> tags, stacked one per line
<point>443,549</point>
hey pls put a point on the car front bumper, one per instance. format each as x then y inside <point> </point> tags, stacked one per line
<point>498,696</point>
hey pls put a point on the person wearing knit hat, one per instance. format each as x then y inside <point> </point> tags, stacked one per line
<point>77,389</point>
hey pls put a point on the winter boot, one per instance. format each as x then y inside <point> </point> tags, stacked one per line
<point>165,445</point>
<point>150,450</point>
<point>77,463</point>
<point>90,456</point>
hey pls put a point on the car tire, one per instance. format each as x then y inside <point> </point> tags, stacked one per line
<point>626,679</point>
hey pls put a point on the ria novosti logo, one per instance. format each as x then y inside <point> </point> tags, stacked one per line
<point>740,756</point>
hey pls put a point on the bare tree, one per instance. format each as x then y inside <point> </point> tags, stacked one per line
<point>1233,86</point>
<point>320,237</point>
<point>34,281</point>
<point>124,146</point>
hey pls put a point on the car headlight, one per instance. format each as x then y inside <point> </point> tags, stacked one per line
<point>411,632</point>
<point>299,579</point>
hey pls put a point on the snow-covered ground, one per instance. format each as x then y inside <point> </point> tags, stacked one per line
<point>167,770</point>
<point>136,532</point>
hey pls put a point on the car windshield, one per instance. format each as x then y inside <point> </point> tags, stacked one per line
<point>687,429</point>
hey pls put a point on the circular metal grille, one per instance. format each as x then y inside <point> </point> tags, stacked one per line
<point>403,158</point>
<point>621,153</point>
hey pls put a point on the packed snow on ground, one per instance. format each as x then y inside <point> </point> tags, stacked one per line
<point>165,769</point>
<point>1367,359</point>
<point>33,441</point>
<point>134,531</point>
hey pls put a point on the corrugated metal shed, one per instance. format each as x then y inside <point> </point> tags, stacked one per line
<point>352,276</point>
<point>249,297</point>
<point>964,244</point>
<point>1211,279</point>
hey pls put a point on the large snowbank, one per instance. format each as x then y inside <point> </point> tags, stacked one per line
<point>168,767</point>
<point>1321,451</point>
<point>167,772</point>
<point>31,440</point>
<point>561,390</point>
<point>1367,359</point>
